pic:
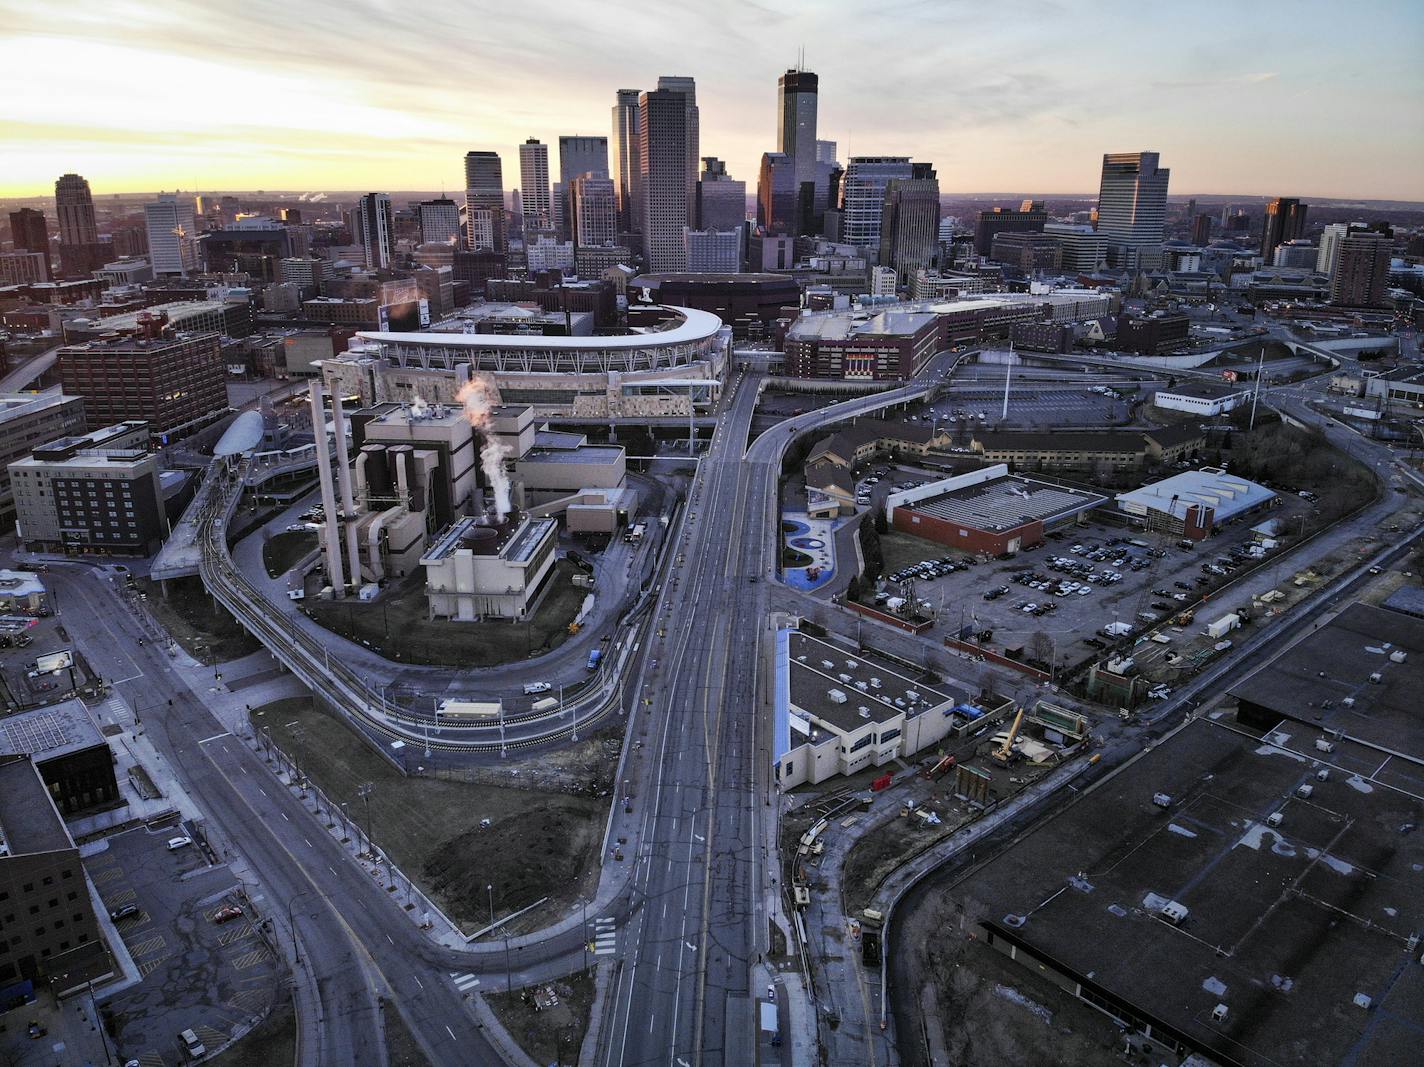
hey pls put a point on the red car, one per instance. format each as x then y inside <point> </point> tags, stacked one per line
<point>227,913</point>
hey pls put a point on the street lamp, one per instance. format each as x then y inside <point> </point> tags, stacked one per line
<point>292,926</point>
<point>508,971</point>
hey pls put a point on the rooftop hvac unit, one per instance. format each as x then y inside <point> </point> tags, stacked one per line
<point>1304,790</point>
<point>1362,1000</point>
<point>1173,912</point>
<point>874,682</point>
<point>844,677</point>
<point>837,696</point>
<point>860,683</point>
<point>1275,818</point>
<point>1322,775</point>
<point>1322,745</point>
<point>1162,800</point>
<point>827,665</point>
<point>1218,1013</point>
<point>1377,677</point>
<point>912,694</point>
<point>1398,656</point>
<point>1349,702</point>
<point>864,712</point>
<point>852,664</point>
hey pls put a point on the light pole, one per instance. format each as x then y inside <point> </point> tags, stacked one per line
<point>292,926</point>
<point>508,973</point>
<point>364,791</point>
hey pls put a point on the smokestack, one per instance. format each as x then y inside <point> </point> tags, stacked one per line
<point>343,473</point>
<point>328,493</point>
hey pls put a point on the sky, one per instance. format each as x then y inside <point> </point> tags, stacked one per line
<point>1302,98</point>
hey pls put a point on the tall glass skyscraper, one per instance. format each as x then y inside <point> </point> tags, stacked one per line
<point>1132,209</point>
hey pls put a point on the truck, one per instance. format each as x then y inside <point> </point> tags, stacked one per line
<point>595,658</point>
<point>635,533</point>
<point>1223,625</point>
<point>1116,629</point>
<point>546,704</point>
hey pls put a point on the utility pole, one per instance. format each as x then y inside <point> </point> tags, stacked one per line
<point>1008,372</point>
<point>1260,367</point>
<point>364,791</point>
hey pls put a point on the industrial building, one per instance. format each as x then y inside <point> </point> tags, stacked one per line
<point>1194,503</point>
<point>988,511</point>
<point>1202,398</point>
<point>477,570</point>
<point>1249,898</point>
<point>840,711</point>
<point>671,364</point>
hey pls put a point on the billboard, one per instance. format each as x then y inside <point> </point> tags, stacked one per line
<point>55,661</point>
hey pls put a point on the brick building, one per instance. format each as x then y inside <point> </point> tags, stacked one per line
<point>176,383</point>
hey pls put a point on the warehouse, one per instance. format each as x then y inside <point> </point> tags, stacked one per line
<point>1247,898</point>
<point>1194,503</point>
<point>1201,398</point>
<point>988,511</point>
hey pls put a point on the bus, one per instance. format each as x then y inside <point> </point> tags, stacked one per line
<point>595,658</point>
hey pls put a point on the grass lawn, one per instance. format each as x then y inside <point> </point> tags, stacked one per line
<point>901,550</point>
<point>395,625</point>
<point>283,551</point>
<point>272,1041</point>
<point>539,844</point>
<point>554,1034</point>
<point>188,614</point>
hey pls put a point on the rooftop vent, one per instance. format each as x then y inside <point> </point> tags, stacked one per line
<point>1376,677</point>
<point>844,677</point>
<point>860,683</point>
<point>874,682</point>
<point>837,696</point>
<point>1398,656</point>
<point>827,664</point>
<point>864,712</point>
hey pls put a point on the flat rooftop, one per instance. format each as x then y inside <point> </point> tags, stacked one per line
<point>556,440</point>
<point>528,538</point>
<point>1225,493</point>
<point>883,689</point>
<point>1285,925</point>
<point>1204,390</point>
<point>1006,503</point>
<point>843,325</point>
<point>29,822</point>
<point>1324,680</point>
<point>582,454</point>
<point>49,732</point>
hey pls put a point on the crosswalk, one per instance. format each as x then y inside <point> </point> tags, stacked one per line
<point>464,982</point>
<point>119,711</point>
<point>605,937</point>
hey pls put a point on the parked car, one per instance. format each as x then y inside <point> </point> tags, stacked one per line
<point>227,914</point>
<point>175,843</point>
<point>123,911</point>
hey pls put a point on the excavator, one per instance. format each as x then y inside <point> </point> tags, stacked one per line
<point>1004,754</point>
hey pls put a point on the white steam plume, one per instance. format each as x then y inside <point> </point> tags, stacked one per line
<point>478,399</point>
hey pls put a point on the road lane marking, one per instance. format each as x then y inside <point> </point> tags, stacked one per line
<point>308,841</point>
<point>225,733</point>
<point>285,816</point>
<point>450,1032</point>
<point>262,791</point>
<point>418,981</point>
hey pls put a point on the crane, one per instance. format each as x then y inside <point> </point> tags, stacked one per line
<point>1005,752</point>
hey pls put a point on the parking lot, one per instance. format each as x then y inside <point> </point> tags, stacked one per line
<point>1052,601</point>
<point>201,968</point>
<point>1043,404</point>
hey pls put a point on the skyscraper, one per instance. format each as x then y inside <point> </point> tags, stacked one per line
<point>1285,221</point>
<point>1132,209</point>
<point>1330,247</point>
<point>1029,218</point>
<point>484,202</point>
<point>172,232</point>
<point>1362,266</point>
<point>30,233</point>
<point>439,221</point>
<point>593,216</point>
<point>625,159</point>
<point>825,151</point>
<point>777,194</point>
<point>577,156</point>
<point>1201,231</point>
<point>375,230</point>
<point>862,200</point>
<point>666,191</point>
<point>721,201</point>
<point>909,227</point>
<point>688,88</point>
<point>796,93</point>
<point>534,186</point>
<point>74,206</point>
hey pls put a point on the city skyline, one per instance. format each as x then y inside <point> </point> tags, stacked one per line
<point>993,108</point>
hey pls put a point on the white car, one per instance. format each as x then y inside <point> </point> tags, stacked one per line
<point>1084,590</point>
<point>175,843</point>
<point>537,687</point>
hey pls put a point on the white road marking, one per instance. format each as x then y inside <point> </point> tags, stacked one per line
<point>284,815</point>
<point>225,733</point>
<point>308,841</point>
<point>464,982</point>
<point>418,981</point>
<point>450,1032</point>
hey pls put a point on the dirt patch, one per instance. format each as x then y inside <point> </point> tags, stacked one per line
<point>553,1033</point>
<point>196,621</point>
<point>396,626</point>
<point>901,550</point>
<point>272,1041</point>
<point>285,550</point>
<point>538,843</point>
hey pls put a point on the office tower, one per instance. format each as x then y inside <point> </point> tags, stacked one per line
<point>909,224</point>
<point>1362,266</point>
<point>484,202</point>
<point>721,201</point>
<point>688,88</point>
<point>439,221</point>
<point>593,216</point>
<point>825,151</point>
<point>862,201</point>
<point>31,234</point>
<point>1083,250</point>
<point>713,251</point>
<point>1029,218</point>
<point>171,234</point>
<point>1132,208</point>
<point>578,155</point>
<point>777,194</point>
<point>74,206</point>
<point>375,230</point>
<point>665,207</point>
<point>1201,230</point>
<point>534,185</point>
<point>1330,247</point>
<point>1285,221</point>
<point>625,156</point>
<point>796,93</point>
